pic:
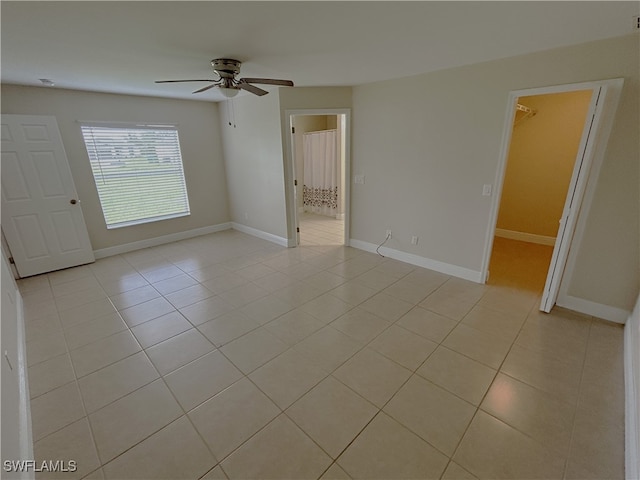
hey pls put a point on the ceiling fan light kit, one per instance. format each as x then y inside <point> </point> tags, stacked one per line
<point>229,92</point>
<point>227,82</point>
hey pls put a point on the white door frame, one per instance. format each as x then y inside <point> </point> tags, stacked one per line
<point>591,153</point>
<point>292,207</point>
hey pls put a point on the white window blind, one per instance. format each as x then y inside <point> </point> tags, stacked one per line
<point>138,172</point>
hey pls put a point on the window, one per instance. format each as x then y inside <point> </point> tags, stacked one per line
<point>138,172</point>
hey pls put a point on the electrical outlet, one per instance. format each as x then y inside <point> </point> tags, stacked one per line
<point>414,240</point>
<point>636,22</point>
<point>388,233</point>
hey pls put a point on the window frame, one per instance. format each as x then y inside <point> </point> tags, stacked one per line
<point>89,132</point>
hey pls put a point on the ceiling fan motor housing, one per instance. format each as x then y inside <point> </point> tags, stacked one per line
<point>226,67</point>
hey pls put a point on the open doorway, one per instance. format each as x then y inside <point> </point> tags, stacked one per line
<point>319,165</point>
<point>603,103</point>
<point>545,141</point>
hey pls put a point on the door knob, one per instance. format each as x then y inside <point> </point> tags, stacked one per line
<point>73,201</point>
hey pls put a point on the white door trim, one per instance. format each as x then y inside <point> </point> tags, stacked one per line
<point>595,147</point>
<point>292,208</point>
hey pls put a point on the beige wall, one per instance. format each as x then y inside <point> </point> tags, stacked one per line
<point>254,166</point>
<point>541,158</point>
<point>428,143</point>
<point>200,142</point>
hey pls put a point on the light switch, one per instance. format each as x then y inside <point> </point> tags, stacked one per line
<point>358,179</point>
<point>486,190</point>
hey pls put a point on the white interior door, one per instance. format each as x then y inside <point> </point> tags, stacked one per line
<point>41,215</point>
<point>572,203</point>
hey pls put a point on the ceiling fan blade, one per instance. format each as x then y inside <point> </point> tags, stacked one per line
<point>268,81</point>
<point>204,89</point>
<point>252,88</point>
<point>179,81</point>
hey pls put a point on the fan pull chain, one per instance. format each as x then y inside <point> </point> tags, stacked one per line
<point>233,110</point>
<point>228,111</point>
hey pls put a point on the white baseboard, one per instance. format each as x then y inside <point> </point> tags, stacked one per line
<point>154,242</point>
<point>599,310</point>
<point>419,261</point>
<point>632,394</point>
<point>263,235</point>
<point>525,237</point>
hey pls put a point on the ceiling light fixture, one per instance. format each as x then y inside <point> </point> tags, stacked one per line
<point>46,82</point>
<point>229,92</point>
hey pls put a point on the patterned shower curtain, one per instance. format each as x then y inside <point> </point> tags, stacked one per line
<point>320,189</point>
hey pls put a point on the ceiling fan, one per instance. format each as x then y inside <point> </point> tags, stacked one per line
<point>227,70</point>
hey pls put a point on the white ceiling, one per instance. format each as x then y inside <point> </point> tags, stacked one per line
<point>122,47</point>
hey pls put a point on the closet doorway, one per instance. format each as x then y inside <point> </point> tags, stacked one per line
<point>319,150</point>
<point>545,140</point>
<point>604,96</point>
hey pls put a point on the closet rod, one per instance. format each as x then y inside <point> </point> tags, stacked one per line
<point>525,109</point>
<point>528,112</point>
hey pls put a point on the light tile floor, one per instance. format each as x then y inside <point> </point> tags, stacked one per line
<point>522,265</point>
<point>320,229</point>
<point>225,356</point>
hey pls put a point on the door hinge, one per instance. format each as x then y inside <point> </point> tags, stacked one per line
<point>295,183</point>
<point>297,229</point>
<point>12,261</point>
<point>293,129</point>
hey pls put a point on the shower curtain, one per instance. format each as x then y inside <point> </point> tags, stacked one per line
<point>320,189</point>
